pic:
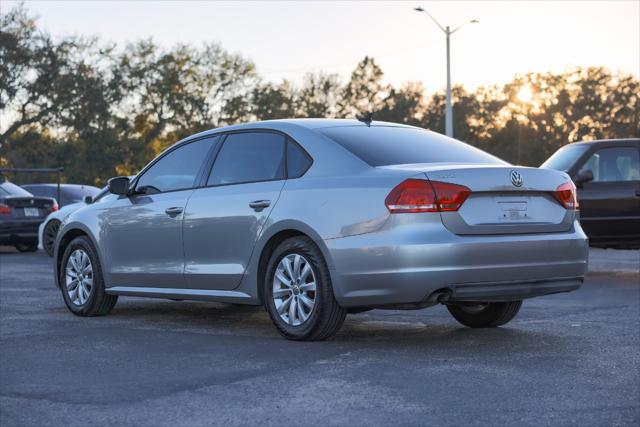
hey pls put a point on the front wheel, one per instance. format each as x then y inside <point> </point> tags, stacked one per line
<point>49,235</point>
<point>298,294</point>
<point>484,315</point>
<point>81,280</point>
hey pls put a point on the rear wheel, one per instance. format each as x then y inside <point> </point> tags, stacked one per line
<point>81,280</point>
<point>49,235</point>
<point>27,247</point>
<point>298,294</point>
<point>484,315</point>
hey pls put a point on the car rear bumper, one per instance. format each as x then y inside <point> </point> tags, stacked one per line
<point>415,262</point>
<point>510,291</point>
<point>19,232</point>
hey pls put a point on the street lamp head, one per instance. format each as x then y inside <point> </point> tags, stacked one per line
<point>418,9</point>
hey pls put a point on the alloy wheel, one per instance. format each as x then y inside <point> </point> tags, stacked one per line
<point>79,277</point>
<point>294,289</point>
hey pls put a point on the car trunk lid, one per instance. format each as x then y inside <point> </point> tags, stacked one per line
<point>28,207</point>
<point>503,199</point>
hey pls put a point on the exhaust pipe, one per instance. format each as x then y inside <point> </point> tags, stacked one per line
<point>440,296</point>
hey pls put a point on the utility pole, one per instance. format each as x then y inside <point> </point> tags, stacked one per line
<point>448,110</point>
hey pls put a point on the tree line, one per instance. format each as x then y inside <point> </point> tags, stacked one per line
<point>101,110</point>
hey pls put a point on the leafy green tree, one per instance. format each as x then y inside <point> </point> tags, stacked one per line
<point>365,92</point>
<point>102,110</point>
<point>319,95</point>
<point>403,105</point>
<point>35,73</point>
<point>274,101</point>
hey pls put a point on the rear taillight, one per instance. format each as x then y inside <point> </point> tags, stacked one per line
<point>412,195</point>
<point>567,195</point>
<point>4,209</point>
<point>54,207</point>
<point>450,196</point>
<point>419,195</point>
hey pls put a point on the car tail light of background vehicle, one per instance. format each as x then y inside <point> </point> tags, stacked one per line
<point>418,195</point>
<point>567,195</point>
<point>4,209</point>
<point>54,207</point>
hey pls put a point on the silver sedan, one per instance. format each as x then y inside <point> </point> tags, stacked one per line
<point>317,218</point>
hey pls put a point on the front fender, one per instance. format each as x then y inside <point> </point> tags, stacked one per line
<point>67,232</point>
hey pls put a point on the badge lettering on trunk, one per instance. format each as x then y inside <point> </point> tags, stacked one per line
<point>516,178</point>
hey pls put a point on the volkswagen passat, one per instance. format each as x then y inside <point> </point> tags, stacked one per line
<point>319,218</point>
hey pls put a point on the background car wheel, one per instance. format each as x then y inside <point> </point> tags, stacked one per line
<point>298,294</point>
<point>27,247</point>
<point>81,280</point>
<point>484,315</point>
<point>49,236</point>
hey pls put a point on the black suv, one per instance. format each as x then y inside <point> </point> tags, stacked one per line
<point>607,174</point>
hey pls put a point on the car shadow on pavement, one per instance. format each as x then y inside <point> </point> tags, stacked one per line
<point>8,250</point>
<point>393,329</point>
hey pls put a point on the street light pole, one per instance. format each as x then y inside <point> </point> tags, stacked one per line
<point>448,110</point>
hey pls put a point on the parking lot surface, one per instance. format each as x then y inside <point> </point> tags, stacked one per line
<point>570,359</point>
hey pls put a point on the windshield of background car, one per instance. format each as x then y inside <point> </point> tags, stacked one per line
<point>387,145</point>
<point>564,158</point>
<point>76,194</point>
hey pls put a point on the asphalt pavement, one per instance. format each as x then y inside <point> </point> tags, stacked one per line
<point>569,359</point>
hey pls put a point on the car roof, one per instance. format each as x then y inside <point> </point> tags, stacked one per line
<point>327,123</point>
<point>285,124</point>
<point>61,185</point>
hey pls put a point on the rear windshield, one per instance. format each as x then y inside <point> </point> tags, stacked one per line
<point>564,158</point>
<point>10,189</point>
<point>69,194</point>
<point>384,146</point>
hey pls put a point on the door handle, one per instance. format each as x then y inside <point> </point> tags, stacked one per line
<point>173,211</point>
<point>259,205</point>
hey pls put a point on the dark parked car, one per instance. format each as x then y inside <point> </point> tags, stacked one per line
<point>607,174</point>
<point>20,215</point>
<point>69,193</point>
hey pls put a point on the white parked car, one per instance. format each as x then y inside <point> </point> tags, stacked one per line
<point>48,229</point>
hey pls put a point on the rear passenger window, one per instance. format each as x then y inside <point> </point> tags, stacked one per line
<point>298,161</point>
<point>249,157</point>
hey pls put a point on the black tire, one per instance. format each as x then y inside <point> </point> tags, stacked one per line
<point>98,302</point>
<point>326,317</point>
<point>49,235</point>
<point>487,315</point>
<point>27,247</point>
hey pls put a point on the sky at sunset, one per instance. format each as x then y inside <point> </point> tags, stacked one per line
<point>287,39</point>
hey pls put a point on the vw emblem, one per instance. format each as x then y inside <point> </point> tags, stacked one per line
<point>31,201</point>
<point>516,178</point>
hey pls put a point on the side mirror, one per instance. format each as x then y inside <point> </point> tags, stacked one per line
<point>584,176</point>
<point>119,185</point>
<point>88,200</point>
